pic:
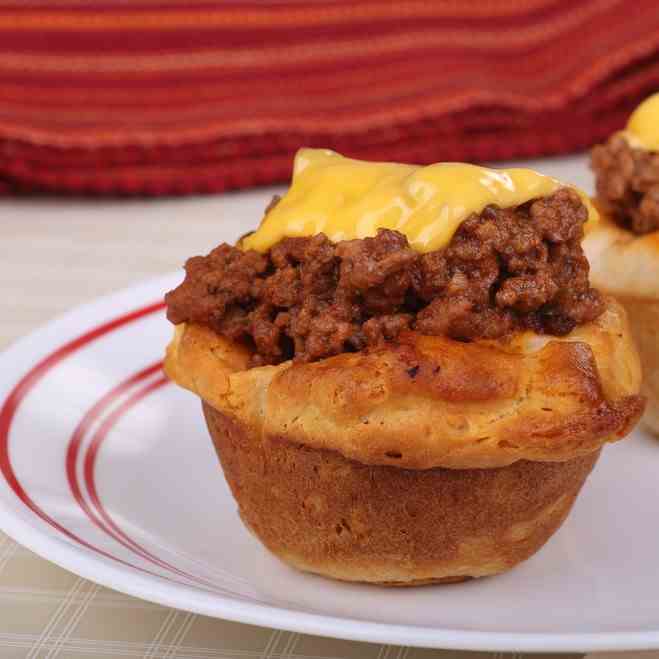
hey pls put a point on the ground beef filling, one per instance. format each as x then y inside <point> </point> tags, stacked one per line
<point>628,184</point>
<point>308,298</point>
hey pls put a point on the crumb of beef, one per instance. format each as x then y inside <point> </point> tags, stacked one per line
<point>627,181</point>
<point>308,298</point>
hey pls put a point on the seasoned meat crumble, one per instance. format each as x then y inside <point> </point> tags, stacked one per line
<point>627,182</point>
<point>309,298</point>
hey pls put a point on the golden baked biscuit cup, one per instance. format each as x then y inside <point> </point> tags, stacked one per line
<point>415,461</point>
<point>623,249</point>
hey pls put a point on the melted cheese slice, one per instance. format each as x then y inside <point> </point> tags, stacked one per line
<point>346,199</point>
<point>642,130</point>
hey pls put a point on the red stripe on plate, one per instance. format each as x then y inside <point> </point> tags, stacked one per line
<point>23,388</point>
<point>100,517</point>
<point>82,429</point>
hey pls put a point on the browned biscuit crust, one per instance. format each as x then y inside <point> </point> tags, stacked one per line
<point>644,320</point>
<point>627,265</point>
<point>323,513</point>
<point>429,402</point>
<point>423,461</point>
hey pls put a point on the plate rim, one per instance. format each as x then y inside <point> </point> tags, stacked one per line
<point>127,580</point>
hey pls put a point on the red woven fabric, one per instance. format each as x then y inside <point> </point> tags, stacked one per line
<point>172,97</point>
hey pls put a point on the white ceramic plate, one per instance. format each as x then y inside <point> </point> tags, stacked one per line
<point>107,470</point>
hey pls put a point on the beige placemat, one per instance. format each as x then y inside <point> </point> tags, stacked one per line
<point>54,255</point>
<point>48,612</point>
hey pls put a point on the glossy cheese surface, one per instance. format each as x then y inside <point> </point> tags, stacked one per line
<point>642,130</point>
<point>346,199</point>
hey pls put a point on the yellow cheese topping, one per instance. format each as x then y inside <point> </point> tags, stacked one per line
<point>346,199</point>
<point>642,130</point>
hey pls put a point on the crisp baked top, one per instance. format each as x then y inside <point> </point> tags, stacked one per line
<point>430,401</point>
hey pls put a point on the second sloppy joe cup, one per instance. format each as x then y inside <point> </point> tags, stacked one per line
<point>404,370</point>
<point>624,249</point>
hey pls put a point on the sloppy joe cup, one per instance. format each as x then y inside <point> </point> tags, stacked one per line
<point>624,248</point>
<point>404,370</point>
